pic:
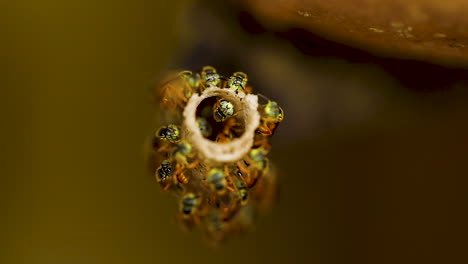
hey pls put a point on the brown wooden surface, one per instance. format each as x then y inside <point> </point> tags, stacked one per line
<point>427,30</point>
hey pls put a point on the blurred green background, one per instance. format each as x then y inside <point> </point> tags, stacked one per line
<point>372,153</point>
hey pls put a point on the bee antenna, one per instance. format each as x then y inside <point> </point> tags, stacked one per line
<point>264,97</point>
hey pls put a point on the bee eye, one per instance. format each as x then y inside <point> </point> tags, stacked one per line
<point>244,196</point>
<point>187,210</point>
<point>219,186</point>
<point>161,174</point>
<point>162,132</point>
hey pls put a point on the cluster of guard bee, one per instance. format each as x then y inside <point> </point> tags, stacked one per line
<point>225,197</point>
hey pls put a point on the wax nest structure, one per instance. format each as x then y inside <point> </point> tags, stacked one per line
<point>211,151</point>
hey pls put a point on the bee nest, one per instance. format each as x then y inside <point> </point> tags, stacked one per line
<point>214,152</point>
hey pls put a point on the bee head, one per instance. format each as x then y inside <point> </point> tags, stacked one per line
<point>184,148</point>
<point>189,201</point>
<point>164,170</point>
<point>215,175</point>
<point>171,132</point>
<point>204,126</point>
<point>258,154</point>
<point>238,80</point>
<point>224,110</point>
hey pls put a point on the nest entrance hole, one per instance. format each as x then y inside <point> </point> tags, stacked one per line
<point>222,132</point>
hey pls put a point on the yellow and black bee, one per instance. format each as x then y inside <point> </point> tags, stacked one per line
<point>176,91</point>
<point>193,81</point>
<point>243,192</point>
<point>253,166</point>
<point>210,77</point>
<point>217,180</point>
<point>182,155</point>
<point>204,126</point>
<point>271,115</point>
<point>169,133</point>
<point>164,175</point>
<point>231,130</point>
<point>238,81</point>
<point>222,110</point>
<point>189,204</point>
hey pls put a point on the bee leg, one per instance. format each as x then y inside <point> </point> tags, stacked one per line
<point>260,141</point>
<point>264,129</point>
<point>182,101</point>
<point>181,161</point>
<point>243,167</point>
<point>179,168</point>
<point>247,173</point>
<point>165,147</point>
<point>253,179</point>
<point>222,139</point>
<point>230,186</point>
<point>167,187</point>
<point>251,172</point>
<point>193,164</point>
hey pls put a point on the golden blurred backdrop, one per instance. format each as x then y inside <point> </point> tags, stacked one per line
<point>372,153</point>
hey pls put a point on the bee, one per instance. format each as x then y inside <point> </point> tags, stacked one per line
<point>181,154</point>
<point>154,152</point>
<point>271,115</point>
<point>215,225</point>
<point>253,166</point>
<point>258,156</point>
<point>222,110</point>
<point>204,126</point>
<point>260,140</point>
<point>192,210</point>
<point>164,174</point>
<point>243,192</point>
<point>217,179</point>
<point>229,131</point>
<point>189,204</point>
<point>210,77</point>
<point>274,112</point>
<point>238,81</point>
<point>193,80</point>
<point>176,92</point>
<point>170,133</point>
<point>229,203</point>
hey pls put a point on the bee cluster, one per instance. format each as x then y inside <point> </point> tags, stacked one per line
<point>212,151</point>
